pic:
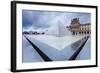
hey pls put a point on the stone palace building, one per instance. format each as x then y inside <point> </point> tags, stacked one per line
<point>77,28</point>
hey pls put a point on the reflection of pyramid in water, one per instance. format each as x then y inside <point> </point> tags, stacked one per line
<point>58,30</point>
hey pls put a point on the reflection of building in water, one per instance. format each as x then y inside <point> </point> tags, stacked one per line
<point>77,28</point>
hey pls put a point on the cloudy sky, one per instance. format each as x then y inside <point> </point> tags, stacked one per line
<point>42,20</point>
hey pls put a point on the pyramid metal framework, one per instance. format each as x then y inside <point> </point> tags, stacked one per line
<point>58,30</point>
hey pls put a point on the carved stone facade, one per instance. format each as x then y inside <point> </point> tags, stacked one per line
<point>77,28</point>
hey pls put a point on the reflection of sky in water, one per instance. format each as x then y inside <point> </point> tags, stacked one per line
<point>86,51</point>
<point>30,55</point>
